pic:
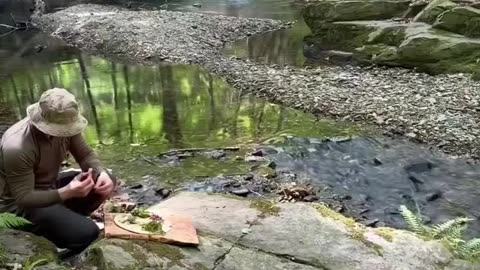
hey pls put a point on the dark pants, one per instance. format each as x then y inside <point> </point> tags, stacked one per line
<point>66,225</point>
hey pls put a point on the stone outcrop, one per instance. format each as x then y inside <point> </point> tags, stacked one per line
<point>442,38</point>
<point>241,234</point>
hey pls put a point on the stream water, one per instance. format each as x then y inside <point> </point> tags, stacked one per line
<point>140,111</point>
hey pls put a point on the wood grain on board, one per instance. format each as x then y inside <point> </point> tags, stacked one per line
<point>182,231</point>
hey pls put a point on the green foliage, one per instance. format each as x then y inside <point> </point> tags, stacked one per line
<point>36,263</point>
<point>9,220</point>
<point>450,233</point>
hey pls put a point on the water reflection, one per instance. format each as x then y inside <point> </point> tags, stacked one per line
<point>282,47</point>
<point>169,105</point>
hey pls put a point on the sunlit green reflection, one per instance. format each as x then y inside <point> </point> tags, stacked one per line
<point>140,111</point>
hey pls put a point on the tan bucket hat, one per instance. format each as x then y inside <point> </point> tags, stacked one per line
<point>57,114</point>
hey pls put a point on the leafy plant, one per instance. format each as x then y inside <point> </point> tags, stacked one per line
<point>140,212</point>
<point>9,220</point>
<point>450,233</point>
<point>154,227</point>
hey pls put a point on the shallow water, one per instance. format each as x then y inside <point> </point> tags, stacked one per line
<point>380,174</point>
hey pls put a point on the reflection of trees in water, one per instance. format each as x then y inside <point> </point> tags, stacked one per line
<point>174,105</point>
<point>93,108</point>
<point>129,103</point>
<point>170,114</point>
<point>114,85</point>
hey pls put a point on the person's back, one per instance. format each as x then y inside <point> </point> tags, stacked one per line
<point>31,153</point>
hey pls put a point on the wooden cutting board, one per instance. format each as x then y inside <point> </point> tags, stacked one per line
<point>182,231</point>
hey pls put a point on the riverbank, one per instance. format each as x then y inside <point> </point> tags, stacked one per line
<point>438,110</point>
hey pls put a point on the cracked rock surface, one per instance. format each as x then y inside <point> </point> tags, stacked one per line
<point>295,236</point>
<point>439,110</point>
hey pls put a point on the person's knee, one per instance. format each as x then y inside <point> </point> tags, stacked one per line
<point>83,236</point>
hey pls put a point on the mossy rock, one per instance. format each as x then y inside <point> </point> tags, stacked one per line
<point>436,52</point>
<point>28,249</point>
<point>460,20</point>
<point>344,36</point>
<point>109,254</point>
<point>319,12</point>
<point>433,10</point>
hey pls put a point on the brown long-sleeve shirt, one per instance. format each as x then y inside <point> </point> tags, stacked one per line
<point>30,162</point>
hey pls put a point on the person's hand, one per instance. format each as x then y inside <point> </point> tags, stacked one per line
<point>79,187</point>
<point>104,185</point>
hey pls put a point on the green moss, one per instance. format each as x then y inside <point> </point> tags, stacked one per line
<point>385,232</point>
<point>44,251</point>
<point>199,266</point>
<point>355,231</point>
<point>95,257</point>
<point>166,251</point>
<point>329,213</point>
<point>265,207</point>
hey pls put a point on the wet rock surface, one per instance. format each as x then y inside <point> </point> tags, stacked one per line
<point>438,110</point>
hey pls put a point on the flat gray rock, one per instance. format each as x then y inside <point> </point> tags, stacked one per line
<point>245,259</point>
<point>214,215</point>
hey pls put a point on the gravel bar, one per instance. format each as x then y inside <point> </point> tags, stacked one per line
<point>442,111</point>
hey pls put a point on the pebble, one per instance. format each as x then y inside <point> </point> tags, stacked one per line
<point>241,192</point>
<point>254,159</point>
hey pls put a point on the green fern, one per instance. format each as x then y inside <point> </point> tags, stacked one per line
<point>9,220</point>
<point>450,233</point>
<point>450,229</point>
<point>414,223</point>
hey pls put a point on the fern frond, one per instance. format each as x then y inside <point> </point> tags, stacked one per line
<point>473,245</point>
<point>9,220</point>
<point>413,222</point>
<point>451,229</point>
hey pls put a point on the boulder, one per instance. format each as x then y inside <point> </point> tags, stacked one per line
<point>433,10</point>
<point>435,52</point>
<point>347,36</point>
<point>320,12</point>
<point>460,20</point>
<point>27,249</point>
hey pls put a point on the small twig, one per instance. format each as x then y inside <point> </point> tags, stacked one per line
<point>149,161</point>
<point>13,19</point>
<point>9,26</point>
<point>254,192</point>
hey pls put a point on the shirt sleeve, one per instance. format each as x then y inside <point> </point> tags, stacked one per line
<point>20,178</point>
<point>85,156</point>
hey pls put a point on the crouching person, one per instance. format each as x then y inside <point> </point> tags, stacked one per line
<point>31,185</point>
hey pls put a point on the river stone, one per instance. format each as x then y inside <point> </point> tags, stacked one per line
<point>319,12</point>
<point>25,248</point>
<point>236,260</point>
<point>460,20</point>
<point>433,10</point>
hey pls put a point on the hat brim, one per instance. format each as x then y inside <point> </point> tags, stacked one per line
<point>53,129</point>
